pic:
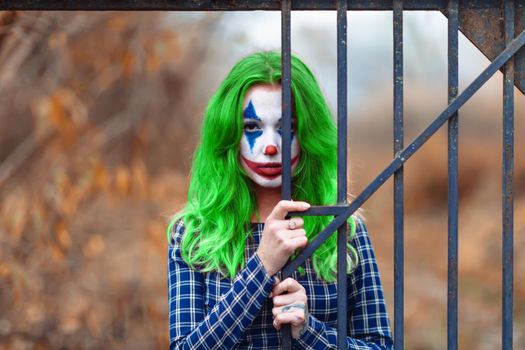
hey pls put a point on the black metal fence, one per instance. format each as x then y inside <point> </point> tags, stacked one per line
<point>506,54</point>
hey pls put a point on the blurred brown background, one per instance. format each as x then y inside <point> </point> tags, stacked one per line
<point>100,113</point>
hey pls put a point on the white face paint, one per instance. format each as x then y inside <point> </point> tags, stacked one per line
<point>260,145</point>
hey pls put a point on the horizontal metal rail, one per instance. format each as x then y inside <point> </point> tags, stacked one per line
<point>230,5</point>
<point>328,210</point>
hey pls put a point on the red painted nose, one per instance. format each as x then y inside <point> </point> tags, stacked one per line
<point>270,150</point>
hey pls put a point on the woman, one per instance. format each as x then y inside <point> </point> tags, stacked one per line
<point>233,236</point>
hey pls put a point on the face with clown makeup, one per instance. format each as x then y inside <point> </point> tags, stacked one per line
<point>260,147</point>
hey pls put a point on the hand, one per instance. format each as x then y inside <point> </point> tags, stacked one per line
<point>290,308</point>
<point>281,237</point>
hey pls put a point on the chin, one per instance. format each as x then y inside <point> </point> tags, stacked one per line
<point>269,183</point>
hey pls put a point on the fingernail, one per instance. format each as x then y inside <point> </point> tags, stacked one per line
<point>306,205</point>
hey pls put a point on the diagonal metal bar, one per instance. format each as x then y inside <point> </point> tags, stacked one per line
<point>408,151</point>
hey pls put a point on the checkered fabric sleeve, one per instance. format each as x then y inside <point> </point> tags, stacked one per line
<point>368,324</point>
<point>225,324</point>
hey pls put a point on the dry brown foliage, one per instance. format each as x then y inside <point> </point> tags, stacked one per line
<point>94,109</point>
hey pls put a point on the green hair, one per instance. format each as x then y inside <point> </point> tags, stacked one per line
<point>221,199</point>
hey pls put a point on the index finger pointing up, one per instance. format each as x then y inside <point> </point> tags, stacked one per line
<point>282,208</point>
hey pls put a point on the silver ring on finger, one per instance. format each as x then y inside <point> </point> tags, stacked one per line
<point>292,225</point>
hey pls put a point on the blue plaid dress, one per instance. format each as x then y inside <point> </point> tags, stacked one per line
<point>208,311</point>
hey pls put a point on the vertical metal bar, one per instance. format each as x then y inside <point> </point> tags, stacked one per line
<point>286,78</point>
<point>519,60</point>
<point>507,185</point>
<point>341,170</point>
<point>286,188</point>
<point>398,179</point>
<point>452,299</point>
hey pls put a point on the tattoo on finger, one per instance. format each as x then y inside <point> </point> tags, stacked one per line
<point>289,308</point>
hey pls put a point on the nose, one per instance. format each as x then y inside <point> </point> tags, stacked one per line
<point>270,150</point>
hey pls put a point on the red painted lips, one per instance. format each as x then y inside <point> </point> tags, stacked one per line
<point>267,170</point>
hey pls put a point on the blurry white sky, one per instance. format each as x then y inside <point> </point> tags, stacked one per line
<point>369,49</point>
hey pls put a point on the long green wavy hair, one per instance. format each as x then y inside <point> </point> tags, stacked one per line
<point>221,199</point>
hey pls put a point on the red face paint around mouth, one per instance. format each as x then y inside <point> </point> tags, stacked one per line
<point>267,170</point>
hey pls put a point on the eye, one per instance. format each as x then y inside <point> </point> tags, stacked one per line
<point>251,127</point>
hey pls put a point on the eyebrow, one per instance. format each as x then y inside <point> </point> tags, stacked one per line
<point>249,112</point>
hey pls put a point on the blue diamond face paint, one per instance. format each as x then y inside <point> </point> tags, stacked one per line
<point>262,128</point>
<point>252,136</point>
<point>251,125</point>
<point>250,113</point>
